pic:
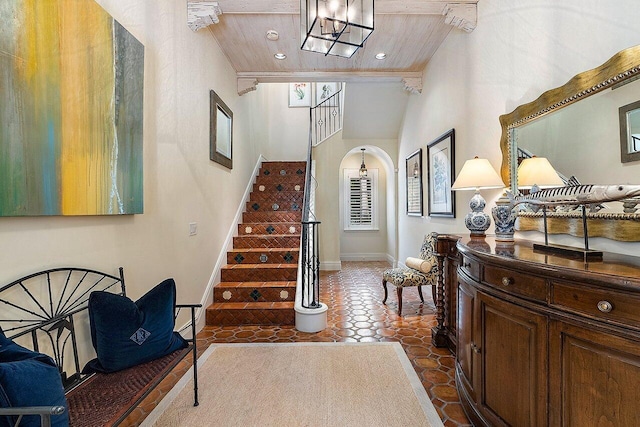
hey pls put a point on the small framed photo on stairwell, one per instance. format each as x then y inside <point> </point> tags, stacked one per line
<point>324,92</point>
<point>299,95</point>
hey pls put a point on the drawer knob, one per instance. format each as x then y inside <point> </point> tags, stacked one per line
<point>466,265</point>
<point>506,281</point>
<point>475,348</point>
<point>605,306</point>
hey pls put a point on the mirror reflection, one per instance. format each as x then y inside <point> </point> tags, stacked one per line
<point>582,140</point>
<point>577,127</point>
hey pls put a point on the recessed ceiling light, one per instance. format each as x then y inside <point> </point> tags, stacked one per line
<point>280,56</point>
<point>381,55</point>
<point>272,35</point>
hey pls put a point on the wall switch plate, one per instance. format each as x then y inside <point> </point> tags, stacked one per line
<point>193,228</point>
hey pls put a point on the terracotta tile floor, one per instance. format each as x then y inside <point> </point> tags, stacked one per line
<point>354,298</point>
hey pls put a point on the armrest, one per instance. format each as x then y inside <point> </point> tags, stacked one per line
<point>45,413</point>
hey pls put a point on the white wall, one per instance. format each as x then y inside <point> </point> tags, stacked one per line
<point>328,156</point>
<point>517,51</point>
<point>288,137</point>
<point>181,184</point>
<point>364,245</point>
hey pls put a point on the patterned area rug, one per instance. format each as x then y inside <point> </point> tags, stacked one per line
<point>302,384</point>
<point>106,399</point>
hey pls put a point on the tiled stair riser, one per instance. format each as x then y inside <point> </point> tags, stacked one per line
<point>286,256</point>
<point>272,241</point>
<point>254,228</point>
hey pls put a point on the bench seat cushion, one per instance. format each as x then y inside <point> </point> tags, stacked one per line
<point>127,333</point>
<point>29,378</point>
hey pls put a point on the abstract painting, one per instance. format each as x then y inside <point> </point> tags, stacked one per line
<point>71,103</point>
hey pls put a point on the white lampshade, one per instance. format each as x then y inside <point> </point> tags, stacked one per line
<point>476,174</point>
<point>537,171</point>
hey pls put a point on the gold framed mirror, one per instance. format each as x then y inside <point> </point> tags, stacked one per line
<point>615,81</point>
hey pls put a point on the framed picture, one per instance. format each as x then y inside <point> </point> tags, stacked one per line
<point>325,91</point>
<point>299,95</point>
<point>220,131</point>
<point>630,132</point>
<point>414,183</point>
<point>440,170</point>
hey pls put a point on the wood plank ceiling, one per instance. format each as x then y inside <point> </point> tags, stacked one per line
<point>408,31</point>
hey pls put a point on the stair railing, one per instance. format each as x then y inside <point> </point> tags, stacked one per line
<point>326,117</point>
<point>310,253</point>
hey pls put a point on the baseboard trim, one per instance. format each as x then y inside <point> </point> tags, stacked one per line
<point>364,257</point>
<point>330,265</point>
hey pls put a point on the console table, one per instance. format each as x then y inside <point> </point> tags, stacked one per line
<point>540,339</point>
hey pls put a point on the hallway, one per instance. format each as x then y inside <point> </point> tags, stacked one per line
<point>356,314</point>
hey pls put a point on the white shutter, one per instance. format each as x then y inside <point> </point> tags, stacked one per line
<point>360,200</point>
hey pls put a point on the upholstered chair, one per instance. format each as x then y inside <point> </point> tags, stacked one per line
<point>422,271</point>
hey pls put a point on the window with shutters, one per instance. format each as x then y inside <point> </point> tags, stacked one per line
<point>361,200</point>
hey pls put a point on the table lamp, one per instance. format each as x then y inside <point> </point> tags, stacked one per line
<point>477,174</point>
<point>537,172</point>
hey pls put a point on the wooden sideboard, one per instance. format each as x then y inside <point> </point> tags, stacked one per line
<point>541,339</point>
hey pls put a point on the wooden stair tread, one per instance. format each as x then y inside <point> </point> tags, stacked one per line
<point>249,250</point>
<point>265,265</point>
<point>270,305</point>
<point>274,284</point>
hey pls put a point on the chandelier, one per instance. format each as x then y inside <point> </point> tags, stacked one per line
<point>335,27</point>
<point>363,168</point>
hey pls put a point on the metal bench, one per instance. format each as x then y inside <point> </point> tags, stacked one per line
<point>47,312</point>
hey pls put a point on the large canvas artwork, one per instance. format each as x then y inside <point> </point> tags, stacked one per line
<point>71,98</point>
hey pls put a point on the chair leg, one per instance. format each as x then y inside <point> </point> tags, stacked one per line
<point>399,291</point>
<point>433,293</point>
<point>420,293</point>
<point>384,286</point>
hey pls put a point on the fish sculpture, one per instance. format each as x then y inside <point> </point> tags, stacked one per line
<point>577,195</point>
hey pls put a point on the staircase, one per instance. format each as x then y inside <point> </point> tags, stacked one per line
<point>258,283</point>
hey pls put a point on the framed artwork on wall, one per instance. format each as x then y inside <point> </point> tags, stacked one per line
<point>414,183</point>
<point>440,171</point>
<point>220,131</point>
<point>299,95</point>
<point>71,111</point>
<point>324,91</point>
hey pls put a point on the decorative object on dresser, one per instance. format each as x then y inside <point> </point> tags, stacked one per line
<point>477,174</point>
<point>576,127</point>
<point>414,183</point>
<point>504,217</point>
<point>441,167</point>
<point>422,271</point>
<point>568,328</point>
<point>582,195</point>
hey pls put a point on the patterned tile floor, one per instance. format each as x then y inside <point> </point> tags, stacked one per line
<point>355,314</point>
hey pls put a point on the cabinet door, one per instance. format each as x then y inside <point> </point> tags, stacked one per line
<point>464,351</point>
<point>513,363</point>
<point>596,378</point>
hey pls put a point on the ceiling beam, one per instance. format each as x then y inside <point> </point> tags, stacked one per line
<point>333,76</point>
<point>382,7</point>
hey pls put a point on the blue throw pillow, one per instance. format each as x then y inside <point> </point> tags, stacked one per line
<point>127,333</point>
<point>28,378</point>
